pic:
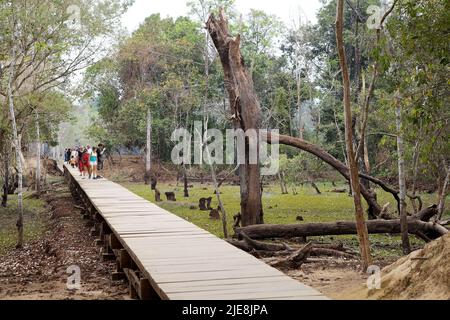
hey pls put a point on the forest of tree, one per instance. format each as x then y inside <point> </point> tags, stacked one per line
<point>389,67</point>
<point>170,67</point>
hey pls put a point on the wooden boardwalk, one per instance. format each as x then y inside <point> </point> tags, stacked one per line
<point>164,256</point>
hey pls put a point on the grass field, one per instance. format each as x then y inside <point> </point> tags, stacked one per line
<point>34,221</point>
<point>279,209</point>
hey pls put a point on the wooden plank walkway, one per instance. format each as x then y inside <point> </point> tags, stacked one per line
<point>180,260</point>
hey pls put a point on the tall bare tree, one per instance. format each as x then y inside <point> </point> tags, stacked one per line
<point>38,154</point>
<point>363,236</point>
<point>148,155</point>
<point>16,138</point>
<point>246,113</point>
<point>401,178</point>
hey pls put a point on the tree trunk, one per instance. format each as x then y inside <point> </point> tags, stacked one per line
<point>6,175</point>
<point>246,113</point>
<point>299,99</point>
<point>427,213</point>
<point>313,184</point>
<point>443,193</point>
<point>38,155</point>
<point>414,179</point>
<point>353,166</point>
<point>402,180</point>
<point>267,231</point>
<point>284,189</point>
<point>222,208</point>
<point>185,182</point>
<point>148,155</point>
<point>18,148</point>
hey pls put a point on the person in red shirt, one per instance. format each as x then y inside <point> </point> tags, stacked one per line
<point>86,166</point>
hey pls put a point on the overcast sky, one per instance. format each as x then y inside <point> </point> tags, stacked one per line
<point>287,10</point>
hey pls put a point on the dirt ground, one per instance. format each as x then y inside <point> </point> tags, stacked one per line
<point>423,275</point>
<point>38,271</point>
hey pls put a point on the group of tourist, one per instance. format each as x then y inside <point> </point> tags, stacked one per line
<point>87,159</point>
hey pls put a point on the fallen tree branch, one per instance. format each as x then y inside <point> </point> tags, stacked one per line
<point>330,252</point>
<point>369,196</point>
<point>296,259</point>
<point>259,245</point>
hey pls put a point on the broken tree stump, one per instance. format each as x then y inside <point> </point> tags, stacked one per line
<point>214,214</point>
<point>157,196</point>
<point>202,204</point>
<point>153,183</point>
<point>205,204</point>
<point>170,196</point>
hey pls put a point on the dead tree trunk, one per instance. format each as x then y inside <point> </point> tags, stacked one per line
<point>313,184</point>
<point>185,182</point>
<point>157,195</point>
<point>414,178</point>
<point>38,155</point>
<point>219,200</point>
<point>246,113</point>
<point>402,180</point>
<point>148,154</point>
<point>363,236</point>
<point>17,147</point>
<point>266,231</point>
<point>154,182</point>
<point>443,194</point>
<point>5,175</point>
<point>284,189</point>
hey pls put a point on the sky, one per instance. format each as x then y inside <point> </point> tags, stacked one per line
<point>287,10</point>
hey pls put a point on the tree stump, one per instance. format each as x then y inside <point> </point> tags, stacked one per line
<point>237,220</point>
<point>205,204</point>
<point>170,196</point>
<point>214,214</point>
<point>154,181</point>
<point>208,203</point>
<point>157,195</point>
<point>202,204</point>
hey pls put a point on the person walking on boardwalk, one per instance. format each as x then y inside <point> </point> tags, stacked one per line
<point>85,158</point>
<point>89,149</point>
<point>100,151</point>
<point>74,158</point>
<point>93,158</point>
<point>80,160</point>
<point>67,153</point>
